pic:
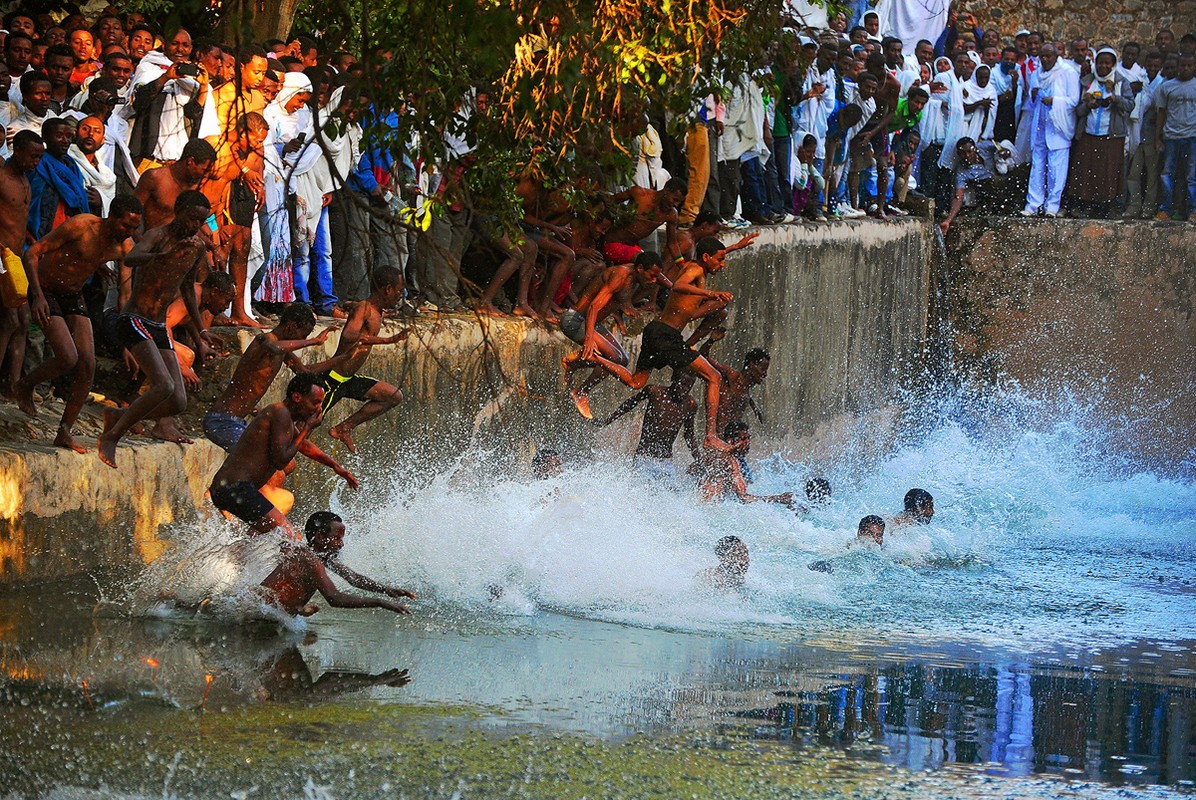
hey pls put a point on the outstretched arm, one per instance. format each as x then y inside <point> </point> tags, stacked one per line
<point>317,455</point>
<point>625,408</point>
<point>338,599</point>
<point>362,582</point>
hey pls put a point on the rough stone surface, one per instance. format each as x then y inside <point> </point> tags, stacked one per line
<point>1099,314</point>
<point>1100,22</point>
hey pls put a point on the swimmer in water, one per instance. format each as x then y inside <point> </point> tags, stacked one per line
<point>304,571</point>
<point>871,530</point>
<point>919,509</point>
<point>719,474</point>
<point>818,491</point>
<point>733,561</point>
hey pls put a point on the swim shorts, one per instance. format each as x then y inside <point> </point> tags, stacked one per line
<point>242,500</point>
<point>573,325</point>
<point>242,204</point>
<point>14,283</point>
<point>223,430</point>
<point>132,330</point>
<point>662,346</point>
<point>619,253</point>
<point>66,305</point>
<point>337,387</point>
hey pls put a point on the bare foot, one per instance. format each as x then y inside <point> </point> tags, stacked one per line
<point>582,402</point>
<point>166,430</point>
<point>550,319</point>
<point>106,447</point>
<point>712,442</point>
<point>524,310</point>
<point>489,309</point>
<point>65,440</point>
<point>343,435</point>
<point>23,396</point>
<point>245,321</point>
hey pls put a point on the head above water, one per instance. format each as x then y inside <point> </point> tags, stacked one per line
<point>732,555</point>
<point>325,532</point>
<point>818,490</point>
<point>919,505</point>
<point>872,528</point>
<point>648,266</point>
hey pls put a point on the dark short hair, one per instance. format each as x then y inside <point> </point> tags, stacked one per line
<point>303,382</point>
<point>708,246</point>
<point>851,110</point>
<point>12,37</point>
<point>867,77</point>
<point>115,55</point>
<point>818,490</point>
<point>30,78</point>
<point>923,42</point>
<point>725,545</point>
<point>648,259</point>
<point>384,277</point>
<point>53,124</point>
<point>191,198</point>
<point>125,204</point>
<point>869,521</point>
<point>918,91</point>
<point>59,51</point>
<point>676,185</point>
<point>300,314</point>
<point>856,28</point>
<point>220,281</point>
<point>252,121</point>
<point>199,150</point>
<point>25,138</point>
<point>755,355</point>
<point>319,522</point>
<point>917,499</point>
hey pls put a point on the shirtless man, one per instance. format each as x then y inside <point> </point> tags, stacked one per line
<point>606,294</point>
<point>669,411</point>
<point>165,259</point>
<point>270,442</point>
<point>733,562</point>
<point>662,344</point>
<point>919,509</point>
<point>653,208</point>
<point>58,265</point>
<point>225,421</point>
<point>357,339</point>
<point>212,297</point>
<point>546,221</point>
<point>158,188</point>
<point>706,224</point>
<point>719,474</point>
<point>735,391</point>
<point>237,98</point>
<point>235,188</point>
<point>15,196</point>
<point>304,571</point>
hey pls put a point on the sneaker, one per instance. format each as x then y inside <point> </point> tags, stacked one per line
<point>895,211</point>
<point>1025,212</point>
<point>1052,214</point>
<point>851,212</point>
<point>1162,216</point>
<point>787,218</point>
<point>818,216</point>
<point>738,223</point>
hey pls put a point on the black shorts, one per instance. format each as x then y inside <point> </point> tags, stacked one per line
<point>663,346</point>
<point>242,204</point>
<point>132,330</point>
<point>243,500</point>
<point>337,387</point>
<point>66,305</point>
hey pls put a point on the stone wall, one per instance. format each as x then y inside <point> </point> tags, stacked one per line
<point>1099,21</point>
<point>1097,315</point>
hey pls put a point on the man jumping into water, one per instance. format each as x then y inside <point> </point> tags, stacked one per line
<point>357,339</point>
<point>719,475</point>
<point>268,445</point>
<point>662,343</point>
<point>669,411</point>
<point>605,295</point>
<point>165,259</point>
<point>304,571</point>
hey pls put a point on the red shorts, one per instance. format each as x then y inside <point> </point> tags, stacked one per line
<point>619,253</point>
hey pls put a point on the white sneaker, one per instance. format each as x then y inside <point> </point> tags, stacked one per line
<point>850,212</point>
<point>894,210</point>
<point>787,219</point>
<point>1052,214</point>
<point>1025,212</point>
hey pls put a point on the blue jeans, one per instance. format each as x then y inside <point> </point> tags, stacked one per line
<point>316,288</point>
<point>751,191</point>
<point>1174,152</point>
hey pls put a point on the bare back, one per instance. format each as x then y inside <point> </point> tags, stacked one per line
<point>296,579</point>
<point>616,279</point>
<point>648,217</point>
<point>366,319</point>
<point>157,190</point>
<point>250,459</point>
<point>15,196</point>
<point>681,308</point>
<point>255,372</point>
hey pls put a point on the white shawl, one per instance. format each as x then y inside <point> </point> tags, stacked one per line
<point>97,175</point>
<point>979,124</point>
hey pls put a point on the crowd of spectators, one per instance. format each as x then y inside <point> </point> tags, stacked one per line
<point>119,119</point>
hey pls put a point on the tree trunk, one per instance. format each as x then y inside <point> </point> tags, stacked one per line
<point>255,21</point>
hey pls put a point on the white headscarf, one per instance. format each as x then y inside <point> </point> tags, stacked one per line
<point>286,127</point>
<point>979,124</point>
<point>943,115</point>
